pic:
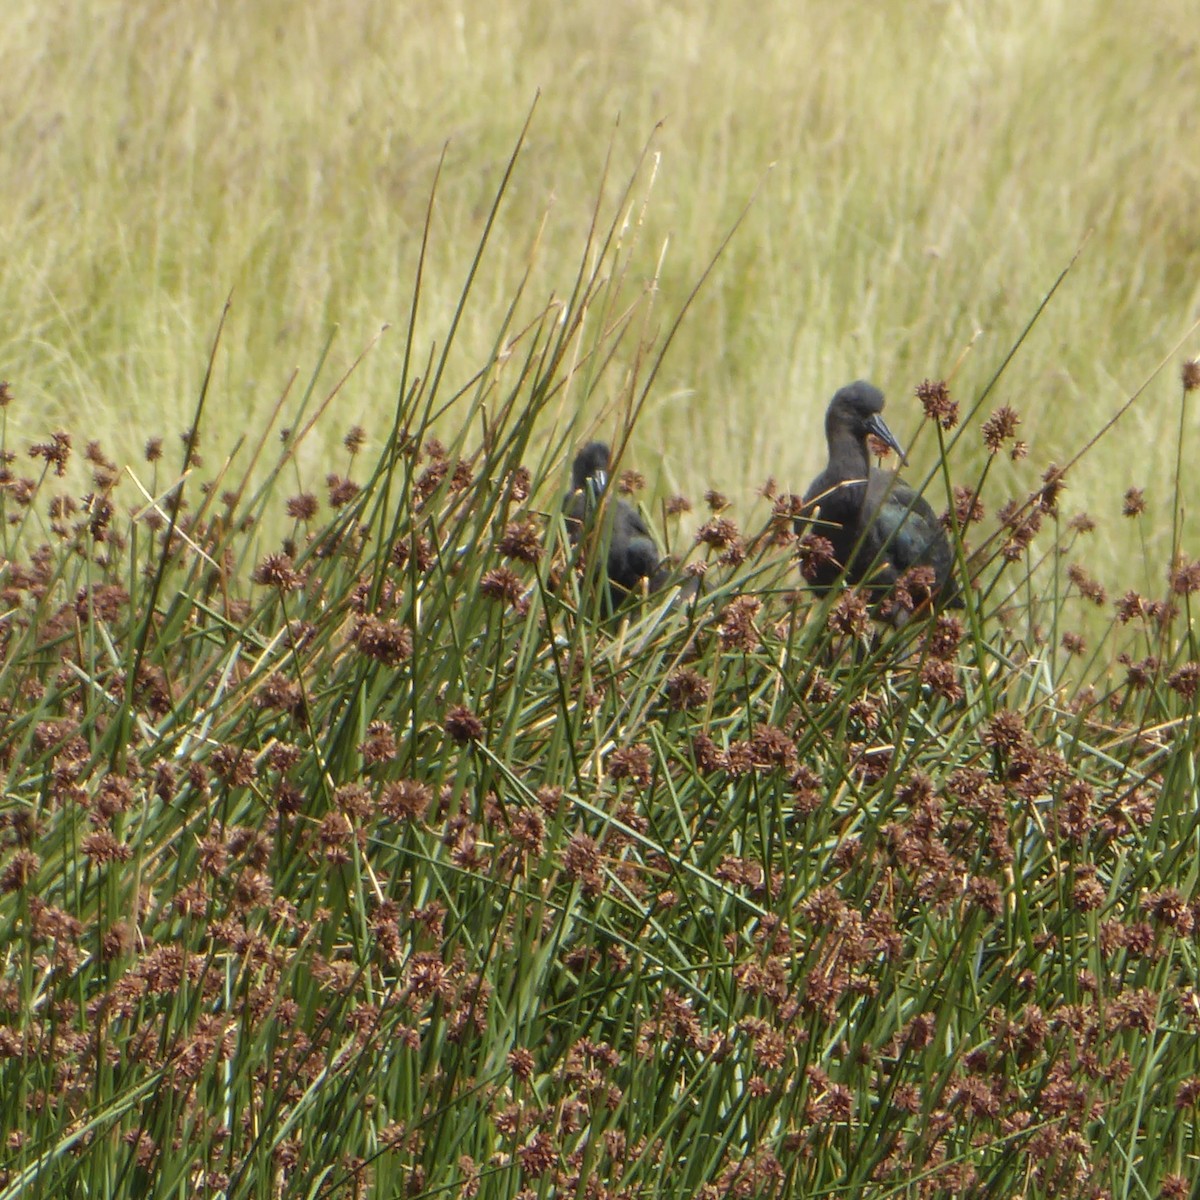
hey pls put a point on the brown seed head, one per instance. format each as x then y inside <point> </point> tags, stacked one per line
<point>521,541</point>
<point>814,552</point>
<point>94,454</point>
<point>430,480</point>
<point>877,447</point>
<point>538,1155</point>
<point>1073,643</point>
<point>1191,375</point>
<point>520,1063</point>
<point>278,691</point>
<point>462,478</point>
<point>934,396</point>
<point>719,533</point>
<point>1129,606</point>
<point>734,555</point>
<point>632,763</point>
<point>1087,893</point>
<point>1005,731</point>
<point>1185,577</point>
<point>1171,1186</point>
<point>1140,674</point>
<point>945,636</point>
<point>631,482</point>
<point>850,615</point>
<point>276,571</point>
<point>191,437</point>
<point>1021,524</point>
<point>405,800</point>
<point>708,755</point>
<point>1089,588</point>
<point>1169,908</point>
<point>1161,612</point>
<point>968,508</point>
<point>1135,502</point>
<point>772,749</point>
<point>520,484</point>
<point>501,584</point>
<point>550,800</point>
<point>913,589</point>
<point>402,551</point>
<point>941,677</point>
<point>737,630</point>
<point>581,861</point>
<point>528,830</point>
<point>341,491</point>
<point>233,765</point>
<point>386,641</point>
<point>787,506</point>
<point>686,689</point>
<point>1053,483</point>
<point>56,451</point>
<point>302,507</point>
<point>999,427</point>
<point>20,871</point>
<point>379,745</point>
<point>1186,681</point>
<point>102,847</point>
<point>463,725</point>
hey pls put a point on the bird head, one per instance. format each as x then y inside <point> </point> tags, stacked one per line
<point>590,466</point>
<point>856,408</point>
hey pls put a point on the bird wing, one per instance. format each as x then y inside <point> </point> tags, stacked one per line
<point>906,532</point>
<point>631,521</point>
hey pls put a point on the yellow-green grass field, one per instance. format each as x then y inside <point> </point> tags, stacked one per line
<point>356,840</point>
<point>920,175</point>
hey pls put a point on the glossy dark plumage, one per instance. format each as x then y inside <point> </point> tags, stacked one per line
<point>632,554</point>
<point>878,525</point>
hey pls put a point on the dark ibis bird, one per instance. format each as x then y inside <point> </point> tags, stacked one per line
<point>632,553</point>
<point>879,526</point>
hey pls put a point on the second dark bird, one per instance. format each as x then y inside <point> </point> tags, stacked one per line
<point>878,525</point>
<point>632,554</point>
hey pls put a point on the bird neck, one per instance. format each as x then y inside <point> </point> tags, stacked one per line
<point>848,453</point>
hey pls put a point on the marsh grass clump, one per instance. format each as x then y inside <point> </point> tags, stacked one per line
<point>379,857</point>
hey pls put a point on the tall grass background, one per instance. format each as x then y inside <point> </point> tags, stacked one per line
<point>363,850</point>
<point>921,176</point>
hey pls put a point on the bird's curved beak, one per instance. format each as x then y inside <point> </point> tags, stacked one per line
<point>599,479</point>
<point>876,425</point>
